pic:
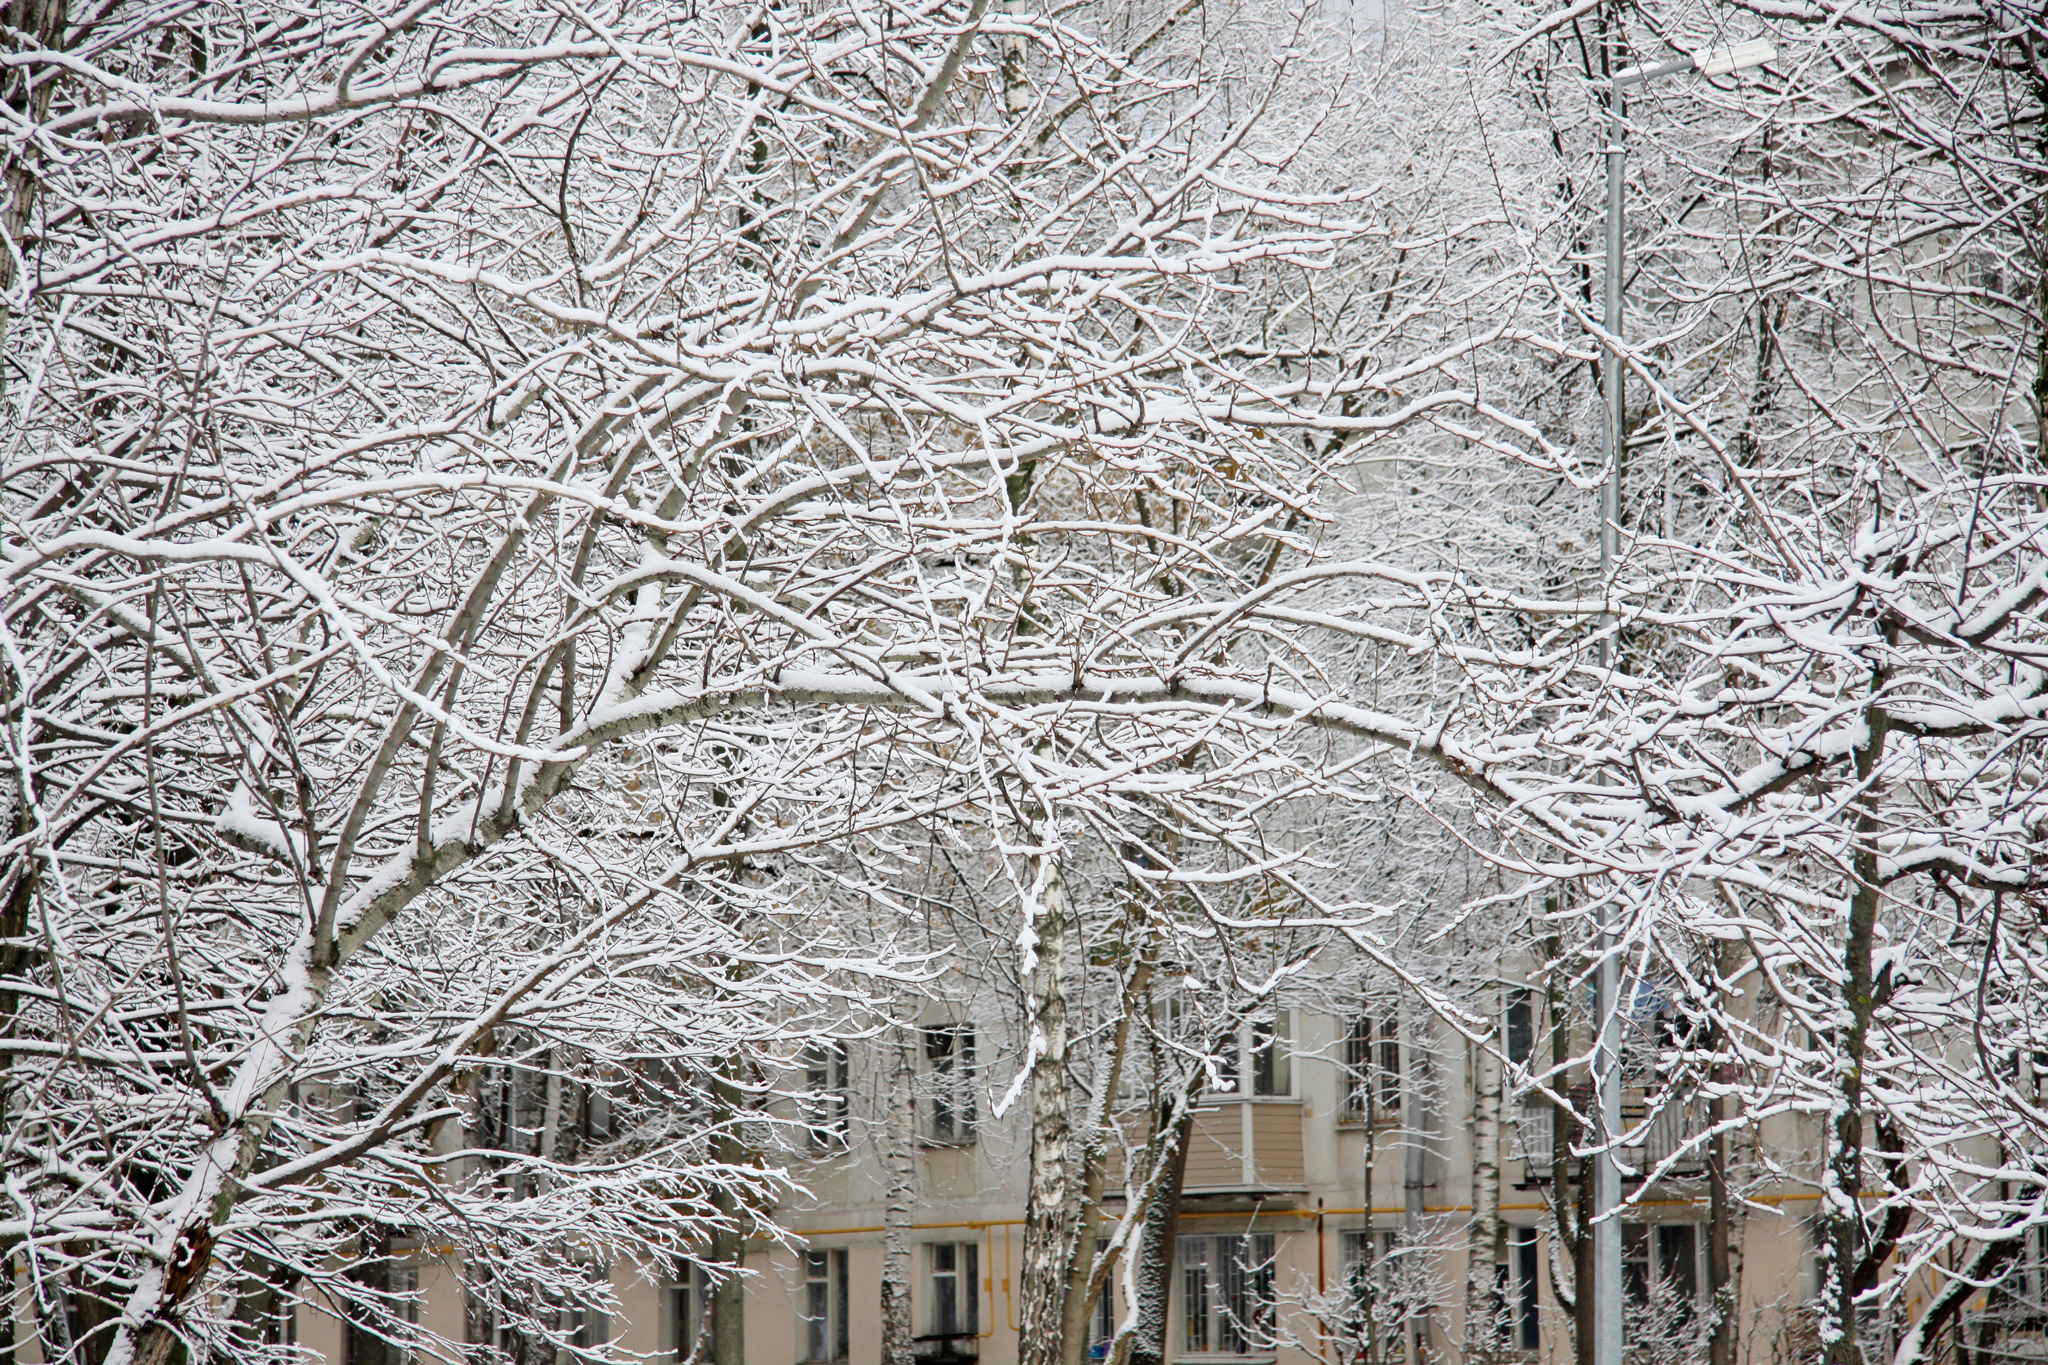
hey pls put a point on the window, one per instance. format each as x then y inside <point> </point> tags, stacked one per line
<point>949,1049</point>
<point>590,1325</point>
<point>1268,1042</point>
<point>1372,1067</point>
<point>1272,1055</point>
<point>1514,1297</point>
<point>825,1324</point>
<point>1987,271</point>
<point>1660,1273</point>
<point>2019,1302</point>
<point>1226,1288</point>
<point>824,1101</point>
<point>956,1297</point>
<point>1385,1312</point>
<point>1520,1027</point>
<point>382,1339</point>
<point>405,1287</point>
<point>1105,1324</point>
<point>693,1312</point>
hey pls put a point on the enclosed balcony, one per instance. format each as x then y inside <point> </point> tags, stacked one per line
<point>1250,1146</point>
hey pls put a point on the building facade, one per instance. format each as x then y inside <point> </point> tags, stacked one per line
<point>1284,1254</point>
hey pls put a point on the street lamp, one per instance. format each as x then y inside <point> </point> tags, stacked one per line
<point>1607,1291</point>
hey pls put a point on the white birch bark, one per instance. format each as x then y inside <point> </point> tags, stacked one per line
<point>899,1165</point>
<point>1483,1236</point>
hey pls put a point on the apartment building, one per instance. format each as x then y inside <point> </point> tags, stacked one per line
<point>1280,1240</point>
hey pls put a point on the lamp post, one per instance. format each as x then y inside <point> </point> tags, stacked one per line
<point>1607,1289</point>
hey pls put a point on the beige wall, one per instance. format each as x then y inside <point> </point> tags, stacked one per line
<point>975,1192</point>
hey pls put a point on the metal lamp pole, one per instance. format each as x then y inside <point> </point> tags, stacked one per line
<point>1607,1287</point>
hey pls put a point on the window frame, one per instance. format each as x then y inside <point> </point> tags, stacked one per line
<point>1268,1042</point>
<point>951,1116</point>
<point>1372,1063</point>
<point>690,1303</point>
<point>1239,1267</point>
<point>1647,1267</point>
<point>826,1101</point>
<point>824,1287</point>
<point>1385,1243</point>
<point>963,1279</point>
<point>1518,1293</point>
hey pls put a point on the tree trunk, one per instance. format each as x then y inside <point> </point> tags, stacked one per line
<point>1413,1172</point>
<point>1483,1235</point>
<point>1571,1245</point>
<point>1152,1273</point>
<point>900,1163</point>
<point>1368,1273</point>
<point>1842,1181</point>
<point>1052,1209</point>
<point>41,25</point>
<point>1090,1277</point>
<point>1724,1238</point>
<point>729,1244</point>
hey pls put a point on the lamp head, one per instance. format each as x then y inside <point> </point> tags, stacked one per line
<point>1741,57</point>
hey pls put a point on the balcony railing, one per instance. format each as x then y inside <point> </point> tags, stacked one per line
<point>1535,1130</point>
<point>1675,1125</point>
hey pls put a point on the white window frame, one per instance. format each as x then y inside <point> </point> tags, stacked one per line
<point>951,1116</point>
<point>1269,1042</point>
<point>953,1301</point>
<point>1372,1061</point>
<point>1646,1270</point>
<point>1396,1327</point>
<point>691,1298</point>
<point>1225,1300</point>
<point>827,1097</point>
<point>826,1332</point>
<point>1518,1303</point>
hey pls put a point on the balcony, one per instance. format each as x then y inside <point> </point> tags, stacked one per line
<point>1246,1147</point>
<point>1675,1124</point>
<point>1532,1139</point>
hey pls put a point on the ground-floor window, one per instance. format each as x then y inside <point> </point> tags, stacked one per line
<point>1660,1269</point>
<point>1515,1290</point>
<point>1104,1318</point>
<point>1226,1294</point>
<point>387,1340</point>
<point>954,1317</point>
<point>1660,1261</point>
<point>1388,1290</point>
<point>692,1337</point>
<point>2017,1305</point>
<point>826,1331</point>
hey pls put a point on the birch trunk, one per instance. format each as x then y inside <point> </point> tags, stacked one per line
<point>1052,1211</point>
<point>1413,1169</point>
<point>900,1161</point>
<point>1724,1233</point>
<point>1090,1276</point>
<point>1484,1234</point>
<point>1570,1245</point>
<point>1369,1275</point>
